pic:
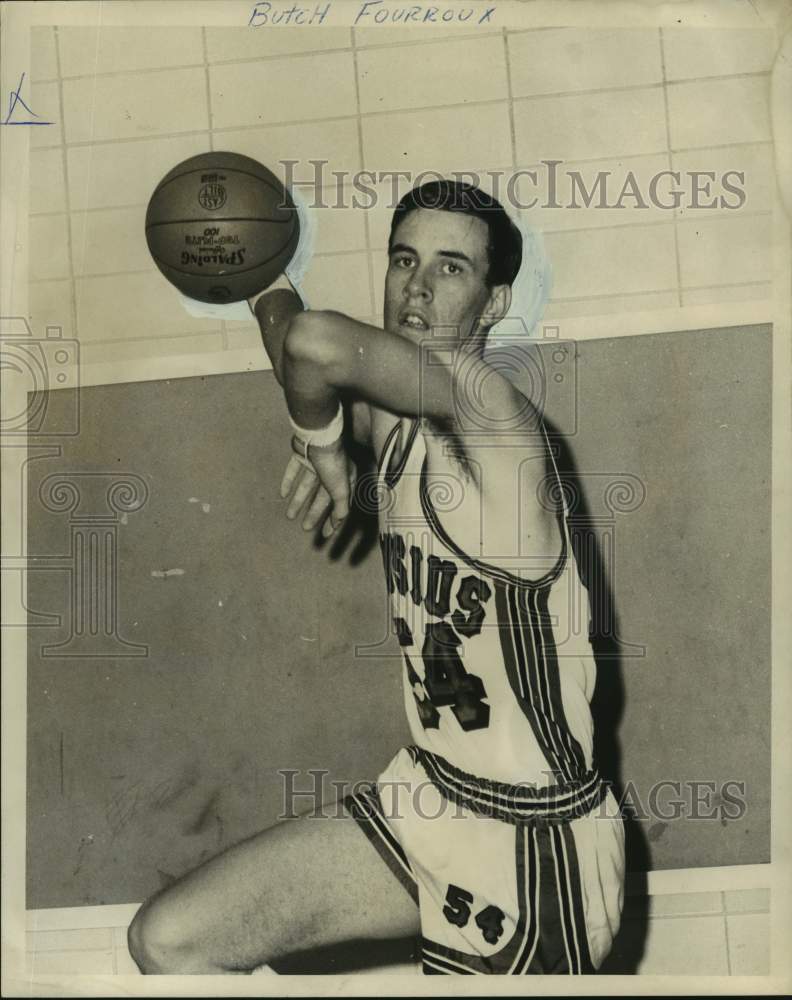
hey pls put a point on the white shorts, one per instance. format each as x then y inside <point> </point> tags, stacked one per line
<point>507,895</point>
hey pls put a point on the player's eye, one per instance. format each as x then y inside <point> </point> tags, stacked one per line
<point>403,260</point>
<point>451,267</point>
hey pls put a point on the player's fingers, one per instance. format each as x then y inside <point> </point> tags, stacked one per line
<point>340,507</point>
<point>304,491</point>
<point>293,467</point>
<point>341,494</point>
<point>319,505</point>
<point>350,492</point>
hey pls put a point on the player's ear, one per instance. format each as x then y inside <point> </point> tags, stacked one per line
<point>497,306</point>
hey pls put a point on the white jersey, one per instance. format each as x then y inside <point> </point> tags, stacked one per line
<point>498,670</point>
<point>494,820</point>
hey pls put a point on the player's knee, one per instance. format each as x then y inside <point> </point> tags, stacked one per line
<point>156,940</point>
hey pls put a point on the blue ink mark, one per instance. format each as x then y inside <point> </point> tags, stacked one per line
<point>15,99</point>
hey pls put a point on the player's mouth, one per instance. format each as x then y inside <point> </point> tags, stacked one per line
<point>413,319</point>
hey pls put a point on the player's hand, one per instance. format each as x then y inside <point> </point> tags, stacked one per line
<point>322,485</point>
<point>301,485</point>
<point>336,473</point>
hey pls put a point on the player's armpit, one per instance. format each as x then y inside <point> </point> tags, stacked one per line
<point>514,470</point>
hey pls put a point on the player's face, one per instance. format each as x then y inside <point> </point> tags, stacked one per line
<point>436,276</point>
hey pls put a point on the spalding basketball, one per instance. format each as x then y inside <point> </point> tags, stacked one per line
<point>221,227</point>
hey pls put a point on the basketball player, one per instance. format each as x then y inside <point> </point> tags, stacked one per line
<point>491,837</point>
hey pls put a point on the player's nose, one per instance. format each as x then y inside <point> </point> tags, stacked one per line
<point>418,285</point>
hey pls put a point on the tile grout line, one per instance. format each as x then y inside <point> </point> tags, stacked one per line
<point>392,112</point>
<point>688,220</point>
<point>413,110</point>
<point>692,914</point>
<point>361,154</point>
<point>646,224</point>
<point>638,86</point>
<point>290,123</point>
<point>726,934</point>
<point>652,291</point>
<point>374,46</point>
<point>417,43</point>
<point>601,298</point>
<point>510,98</point>
<point>595,298</point>
<point>189,133</point>
<point>137,272</point>
<point>208,87</point>
<point>670,159</point>
<point>66,194</point>
<point>282,57</point>
<point>214,332</point>
<point>377,251</point>
<point>66,946</point>
<point>730,284</point>
<point>611,295</point>
<point>210,122</point>
<point>680,149</point>
<point>325,189</point>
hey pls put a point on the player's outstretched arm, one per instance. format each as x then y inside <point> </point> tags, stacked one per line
<point>322,477</point>
<point>327,353</point>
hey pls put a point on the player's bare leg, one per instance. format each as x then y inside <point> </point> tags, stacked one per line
<point>300,885</point>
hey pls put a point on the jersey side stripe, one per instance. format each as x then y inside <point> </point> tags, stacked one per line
<point>567,927</point>
<point>567,840</point>
<point>517,649</point>
<point>527,610</point>
<point>531,939</point>
<point>526,613</point>
<point>544,627</point>
<point>439,966</point>
<point>364,808</point>
<point>518,656</point>
<point>377,820</point>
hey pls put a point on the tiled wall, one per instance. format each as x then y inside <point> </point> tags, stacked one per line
<point>129,103</point>
<point>693,933</point>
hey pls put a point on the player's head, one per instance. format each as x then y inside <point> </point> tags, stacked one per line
<point>454,253</point>
<point>504,241</point>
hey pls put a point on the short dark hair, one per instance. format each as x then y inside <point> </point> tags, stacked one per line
<point>504,246</point>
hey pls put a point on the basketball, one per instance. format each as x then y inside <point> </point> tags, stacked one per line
<point>221,227</point>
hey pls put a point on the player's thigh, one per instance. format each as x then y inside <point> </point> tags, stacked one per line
<point>304,883</point>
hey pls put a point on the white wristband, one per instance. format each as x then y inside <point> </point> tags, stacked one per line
<point>320,437</point>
